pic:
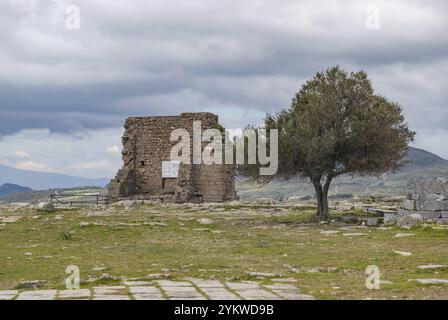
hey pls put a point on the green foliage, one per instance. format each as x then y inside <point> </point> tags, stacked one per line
<point>65,235</point>
<point>337,125</point>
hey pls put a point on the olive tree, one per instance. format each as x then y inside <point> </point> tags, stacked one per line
<point>337,125</point>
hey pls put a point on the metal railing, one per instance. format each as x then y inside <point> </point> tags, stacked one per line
<point>79,200</point>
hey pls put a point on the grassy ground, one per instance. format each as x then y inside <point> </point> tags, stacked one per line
<point>146,240</point>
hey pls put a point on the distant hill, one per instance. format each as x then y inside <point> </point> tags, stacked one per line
<point>9,188</point>
<point>44,195</point>
<point>45,180</point>
<point>421,164</point>
<point>419,157</point>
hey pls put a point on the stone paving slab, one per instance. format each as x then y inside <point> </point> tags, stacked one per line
<point>38,295</point>
<point>109,290</point>
<point>191,289</point>
<point>111,297</point>
<point>183,294</point>
<point>220,294</point>
<point>169,283</point>
<point>74,294</point>
<point>144,296</point>
<point>144,290</point>
<point>137,283</point>
<point>243,286</point>
<point>257,294</point>
<point>207,283</point>
<point>291,295</point>
<point>281,287</point>
<point>8,295</point>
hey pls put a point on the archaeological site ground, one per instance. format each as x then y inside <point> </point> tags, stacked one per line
<point>141,250</point>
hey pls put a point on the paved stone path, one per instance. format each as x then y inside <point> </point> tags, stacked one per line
<point>190,289</point>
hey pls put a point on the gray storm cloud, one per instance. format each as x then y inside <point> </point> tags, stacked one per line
<point>239,59</point>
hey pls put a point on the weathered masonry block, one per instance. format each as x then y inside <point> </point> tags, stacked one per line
<point>147,171</point>
<point>429,199</point>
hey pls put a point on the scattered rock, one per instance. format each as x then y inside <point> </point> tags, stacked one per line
<point>103,277</point>
<point>86,224</point>
<point>32,284</point>
<point>349,219</point>
<point>127,204</point>
<point>292,268</point>
<point>205,221</point>
<point>329,232</point>
<point>410,221</point>
<point>159,224</point>
<point>372,222</point>
<point>322,269</point>
<point>403,253</point>
<point>284,280</point>
<point>265,201</point>
<point>10,219</point>
<point>432,266</point>
<point>262,274</point>
<point>432,281</point>
<point>99,268</point>
<point>354,234</point>
<point>403,235</point>
<point>45,207</point>
<point>155,275</point>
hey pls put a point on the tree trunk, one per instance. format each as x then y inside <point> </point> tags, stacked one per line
<point>322,213</point>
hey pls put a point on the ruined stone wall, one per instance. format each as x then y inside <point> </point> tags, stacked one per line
<point>146,144</point>
<point>430,199</point>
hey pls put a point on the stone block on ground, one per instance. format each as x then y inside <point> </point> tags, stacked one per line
<point>390,218</point>
<point>409,204</point>
<point>431,205</point>
<point>45,207</point>
<point>410,221</point>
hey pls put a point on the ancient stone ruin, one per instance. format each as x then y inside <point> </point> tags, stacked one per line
<point>149,173</point>
<point>429,199</point>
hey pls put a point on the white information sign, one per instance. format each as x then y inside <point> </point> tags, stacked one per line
<point>170,169</point>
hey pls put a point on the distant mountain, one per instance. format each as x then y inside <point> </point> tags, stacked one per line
<point>45,180</point>
<point>419,157</point>
<point>9,188</point>
<point>421,164</point>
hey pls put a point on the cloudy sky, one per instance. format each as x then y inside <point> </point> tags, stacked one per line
<point>66,91</point>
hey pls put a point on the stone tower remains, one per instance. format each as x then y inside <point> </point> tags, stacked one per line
<point>148,173</point>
